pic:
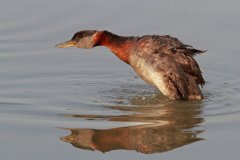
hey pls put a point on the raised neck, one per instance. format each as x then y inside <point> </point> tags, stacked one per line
<point>120,46</point>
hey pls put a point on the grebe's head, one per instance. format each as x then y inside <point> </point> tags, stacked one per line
<point>82,39</point>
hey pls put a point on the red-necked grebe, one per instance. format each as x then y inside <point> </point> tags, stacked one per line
<point>160,60</point>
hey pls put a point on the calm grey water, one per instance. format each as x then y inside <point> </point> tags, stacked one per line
<point>86,104</point>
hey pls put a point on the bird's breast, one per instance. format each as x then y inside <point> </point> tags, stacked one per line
<point>147,69</point>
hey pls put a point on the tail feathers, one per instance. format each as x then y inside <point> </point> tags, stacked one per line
<point>189,50</point>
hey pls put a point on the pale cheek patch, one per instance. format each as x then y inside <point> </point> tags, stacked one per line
<point>86,43</point>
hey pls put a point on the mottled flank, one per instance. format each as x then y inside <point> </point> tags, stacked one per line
<point>162,61</point>
<point>168,64</point>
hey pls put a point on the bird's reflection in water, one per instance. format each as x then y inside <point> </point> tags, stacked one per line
<point>163,127</point>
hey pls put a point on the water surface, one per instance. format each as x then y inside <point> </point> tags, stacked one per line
<point>86,104</point>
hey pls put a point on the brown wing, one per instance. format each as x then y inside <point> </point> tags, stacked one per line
<point>174,78</point>
<point>183,55</point>
<point>185,58</point>
<point>180,85</point>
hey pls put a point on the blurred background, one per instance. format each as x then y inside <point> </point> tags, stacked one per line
<point>86,104</point>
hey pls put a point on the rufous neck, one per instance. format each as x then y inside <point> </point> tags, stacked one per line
<point>120,46</point>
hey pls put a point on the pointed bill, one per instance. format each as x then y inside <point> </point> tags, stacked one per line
<point>66,44</point>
